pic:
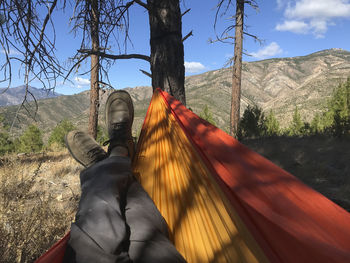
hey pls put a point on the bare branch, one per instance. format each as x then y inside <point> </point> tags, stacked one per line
<point>184,13</point>
<point>187,36</point>
<point>142,4</point>
<point>146,73</point>
<point>115,57</point>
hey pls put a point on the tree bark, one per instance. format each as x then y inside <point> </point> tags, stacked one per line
<point>167,51</point>
<point>95,66</point>
<point>237,70</point>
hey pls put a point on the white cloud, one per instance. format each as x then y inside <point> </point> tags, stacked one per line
<point>81,82</point>
<point>12,52</point>
<point>281,3</point>
<point>194,67</point>
<point>315,16</point>
<point>294,26</point>
<point>269,51</point>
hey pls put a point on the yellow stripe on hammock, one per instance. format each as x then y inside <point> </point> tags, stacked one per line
<point>202,224</point>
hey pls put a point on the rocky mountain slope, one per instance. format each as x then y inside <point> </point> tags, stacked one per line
<point>15,96</point>
<point>278,84</point>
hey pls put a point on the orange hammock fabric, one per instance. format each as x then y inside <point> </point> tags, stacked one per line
<point>226,203</point>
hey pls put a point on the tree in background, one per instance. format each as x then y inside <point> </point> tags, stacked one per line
<point>26,38</point>
<point>316,125</point>
<point>59,132</point>
<point>252,124</point>
<point>207,115</point>
<point>102,134</point>
<point>31,140</point>
<point>337,118</point>
<point>238,51</point>
<point>272,125</point>
<point>100,20</point>
<point>296,127</point>
<point>6,144</point>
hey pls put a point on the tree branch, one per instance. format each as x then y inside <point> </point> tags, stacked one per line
<point>142,4</point>
<point>115,57</point>
<point>187,36</point>
<point>184,13</point>
<point>146,73</point>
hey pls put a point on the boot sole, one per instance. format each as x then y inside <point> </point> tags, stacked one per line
<point>71,153</point>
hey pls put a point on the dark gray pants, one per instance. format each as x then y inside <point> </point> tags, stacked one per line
<point>116,220</point>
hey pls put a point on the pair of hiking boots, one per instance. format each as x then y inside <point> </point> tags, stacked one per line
<point>119,114</point>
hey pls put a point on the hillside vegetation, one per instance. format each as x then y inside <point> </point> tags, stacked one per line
<point>280,85</point>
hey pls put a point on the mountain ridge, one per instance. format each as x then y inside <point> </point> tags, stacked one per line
<point>277,84</point>
<point>15,95</point>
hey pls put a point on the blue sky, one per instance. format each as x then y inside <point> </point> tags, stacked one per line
<point>287,27</point>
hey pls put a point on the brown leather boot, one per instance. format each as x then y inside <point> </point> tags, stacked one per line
<point>84,149</point>
<point>119,113</point>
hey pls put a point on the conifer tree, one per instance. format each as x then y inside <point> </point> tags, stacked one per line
<point>207,115</point>
<point>59,132</point>
<point>31,140</point>
<point>272,125</point>
<point>297,124</point>
<point>315,126</point>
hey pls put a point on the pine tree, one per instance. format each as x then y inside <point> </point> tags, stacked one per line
<point>297,124</point>
<point>207,115</point>
<point>6,144</point>
<point>31,140</point>
<point>272,125</point>
<point>252,124</point>
<point>315,126</point>
<point>59,132</point>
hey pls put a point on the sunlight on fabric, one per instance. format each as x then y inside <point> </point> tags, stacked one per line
<point>202,224</point>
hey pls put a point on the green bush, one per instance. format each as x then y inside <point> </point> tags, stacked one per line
<point>316,125</point>
<point>272,126</point>
<point>297,126</point>
<point>31,140</point>
<point>59,132</point>
<point>207,115</point>
<point>6,144</point>
<point>252,123</point>
<point>102,135</point>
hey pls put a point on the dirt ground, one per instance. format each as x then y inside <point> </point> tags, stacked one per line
<point>322,163</point>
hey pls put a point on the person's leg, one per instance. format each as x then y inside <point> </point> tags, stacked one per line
<point>99,233</point>
<point>148,230</point>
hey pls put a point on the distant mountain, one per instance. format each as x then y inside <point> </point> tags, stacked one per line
<point>277,84</point>
<point>15,96</point>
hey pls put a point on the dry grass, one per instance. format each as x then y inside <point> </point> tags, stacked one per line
<point>38,199</point>
<point>39,193</point>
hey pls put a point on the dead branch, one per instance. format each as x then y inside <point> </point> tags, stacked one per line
<point>187,36</point>
<point>184,13</point>
<point>146,73</point>
<point>115,57</point>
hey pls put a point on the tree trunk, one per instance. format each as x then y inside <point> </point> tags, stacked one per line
<point>95,66</point>
<point>237,70</point>
<point>167,51</point>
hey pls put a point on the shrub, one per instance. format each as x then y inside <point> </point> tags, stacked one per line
<point>59,132</point>
<point>252,123</point>
<point>102,135</point>
<point>6,145</point>
<point>31,140</point>
<point>207,115</point>
<point>272,126</point>
<point>297,125</point>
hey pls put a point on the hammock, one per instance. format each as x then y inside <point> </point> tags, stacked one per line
<point>224,202</point>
